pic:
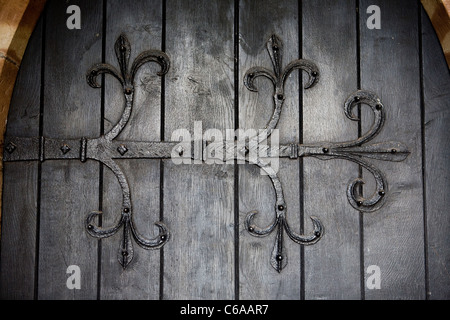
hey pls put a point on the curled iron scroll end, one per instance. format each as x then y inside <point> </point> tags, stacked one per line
<point>371,204</point>
<point>156,243</point>
<point>100,232</point>
<point>363,97</point>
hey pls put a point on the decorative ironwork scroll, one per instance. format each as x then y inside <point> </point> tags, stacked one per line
<point>348,150</point>
<point>106,149</point>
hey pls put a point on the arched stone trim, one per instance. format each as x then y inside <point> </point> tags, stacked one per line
<point>17,21</point>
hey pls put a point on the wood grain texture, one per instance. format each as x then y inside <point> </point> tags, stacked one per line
<point>258,20</point>
<point>69,188</point>
<point>408,238</point>
<point>141,23</point>
<point>394,235</point>
<point>18,248</point>
<point>198,199</point>
<point>436,86</point>
<point>332,266</point>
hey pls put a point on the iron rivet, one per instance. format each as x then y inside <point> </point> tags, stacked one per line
<point>356,99</point>
<point>123,48</point>
<point>65,148</point>
<point>122,149</point>
<point>90,226</point>
<point>180,150</point>
<point>378,107</point>
<point>279,257</point>
<point>275,48</point>
<point>10,147</point>
<point>314,73</point>
<point>280,97</point>
<point>317,233</point>
<point>325,150</point>
<point>126,210</point>
<point>280,207</point>
<point>394,151</point>
<point>251,75</point>
<point>128,91</point>
<point>251,229</point>
<point>163,237</point>
<point>359,203</point>
<point>382,193</point>
<point>160,58</point>
<point>94,72</point>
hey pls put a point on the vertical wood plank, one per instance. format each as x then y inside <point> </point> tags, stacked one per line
<point>18,247</point>
<point>394,235</point>
<point>141,23</point>
<point>198,198</point>
<point>69,188</point>
<point>436,85</point>
<point>258,20</point>
<point>332,266</point>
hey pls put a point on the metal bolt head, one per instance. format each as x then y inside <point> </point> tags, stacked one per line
<point>128,91</point>
<point>90,226</point>
<point>251,229</point>
<point>325,150</point>
<point>281,207</point>
<point>314,74</point>
<point>65,148</point>
<point>378,107</point>
<point>123,48</point>
<point>163,237</point>
<point>180,150</point>
<point>279,257</point>
<point>394,151</point>
<point>122,149</point>
<point>381,193</point>
<point>126,210</point>
<point>280,96</point>
<point>359,203</point>
<point>10,147</point>
<point>357,99</point>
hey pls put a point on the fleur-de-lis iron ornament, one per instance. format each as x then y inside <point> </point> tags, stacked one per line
<point>126,79</point>
<point>349,150</point>
<point>106,148</point>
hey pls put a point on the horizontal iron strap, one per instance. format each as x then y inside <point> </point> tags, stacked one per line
<point>40,148</point>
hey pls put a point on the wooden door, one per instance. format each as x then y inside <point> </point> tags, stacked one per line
<point>209,250</point>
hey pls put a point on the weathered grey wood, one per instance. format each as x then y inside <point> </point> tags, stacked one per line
<point>332,266</point>
<point>436,85</point>
<point>394,235</point>
<point>17,262</point>
<point>69,188</point>
<point>258,20</point>
<point>198,199</point>
<point>141,22</point>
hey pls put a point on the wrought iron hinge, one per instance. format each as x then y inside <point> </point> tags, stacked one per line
<point>106,149</point>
